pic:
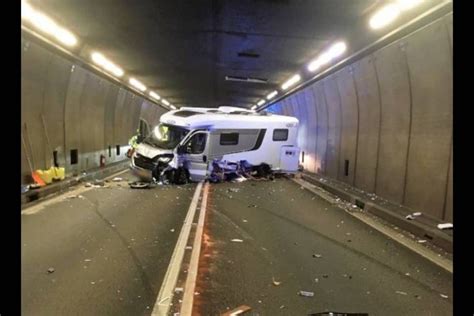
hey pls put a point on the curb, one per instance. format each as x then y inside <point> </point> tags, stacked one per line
<point>33,196</point>
<point>436,236</point>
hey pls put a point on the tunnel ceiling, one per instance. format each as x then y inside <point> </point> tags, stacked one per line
<point>184,49</point>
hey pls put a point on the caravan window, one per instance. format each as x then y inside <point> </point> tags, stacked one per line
<point>280,134</point>
<point>229,139</point>
<point>196,144</point>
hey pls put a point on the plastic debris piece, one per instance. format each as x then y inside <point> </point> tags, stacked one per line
<point>237,240</point>
<point>410,217</point>
<point>445,226</point>
<point>244,220</point>
<point>87,260</point>
<point>172,230</point>
<point>178,289</point>
<point>317,255</point>
<point>276,283</point>
<point>237,311</point>
<point>50,270</point>
<point>117,179</point>
<point>443,296</point>
<point>316,280</point>
<point>421,241</point>
<point>401,292</point>
<point>282,306</point>
<point>306,293</point>
<point>416,214</point>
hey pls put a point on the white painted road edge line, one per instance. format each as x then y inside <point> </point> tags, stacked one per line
<point>190,285</point>
<point>54,199</point>
<point>429,254</point>
<point>165,296</point>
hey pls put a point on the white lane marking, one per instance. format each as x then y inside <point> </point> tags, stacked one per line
<point>49,201</point>
<point>188,296</point>
<point>427,253</point>
<point>171,276</point>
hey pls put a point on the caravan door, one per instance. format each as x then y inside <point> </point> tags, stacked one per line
<point>194,155</point>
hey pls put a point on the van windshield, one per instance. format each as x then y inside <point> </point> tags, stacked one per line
<point>166,136</point>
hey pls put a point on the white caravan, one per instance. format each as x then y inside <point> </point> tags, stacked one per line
<point>188,141</point>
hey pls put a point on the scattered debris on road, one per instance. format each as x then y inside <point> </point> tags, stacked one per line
<point>443,296</point>
<point>276,283</point>
<point>401,293</point>
<point>306,293</point>
<point>117,179</point>
<point>445,226</point>
<point>421,241</point>
<point>244,220</point>
<point>172,230</point>
<point>317,255</point>
<point>237,311</point>
<point>139,185</point>
<point>237,240</point>
<point>50,270</point>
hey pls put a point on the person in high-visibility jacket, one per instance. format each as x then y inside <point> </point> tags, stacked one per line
<point>133,143</point>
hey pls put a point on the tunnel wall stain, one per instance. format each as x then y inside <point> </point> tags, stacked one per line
<point>81,111</point>
<point>389,115</point>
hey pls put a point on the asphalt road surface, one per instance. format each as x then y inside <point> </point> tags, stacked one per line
<point>110,249</point>
<point>294,237</point>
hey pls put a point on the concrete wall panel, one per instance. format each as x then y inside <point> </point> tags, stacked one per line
<point>322,126</point>
<point>369,124</point>
<point>429,61</point>
<point>312,125</point>
<point>349,116</point>
<point>334,127</point>
<point>394,87</point>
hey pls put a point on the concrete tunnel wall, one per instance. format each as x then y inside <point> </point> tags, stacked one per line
<point>81,110</point>
<point>389,115</point>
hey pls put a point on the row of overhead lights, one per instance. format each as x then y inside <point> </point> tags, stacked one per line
<point>46,25</point>
<point>380,19</point>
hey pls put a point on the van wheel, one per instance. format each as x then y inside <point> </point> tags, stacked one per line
<point>181,176</point>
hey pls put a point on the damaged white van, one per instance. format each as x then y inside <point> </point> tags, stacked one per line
<point>188,141</point>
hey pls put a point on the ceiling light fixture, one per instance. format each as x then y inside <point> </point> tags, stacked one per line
<point>384,16</point>
<point>261,102</point>
<point>165,102</point>
<point>154,95</point>
<point>100,60</point>
<point>47,25</point>
<point>253,107</point>
<point>173,107</point>
<point>137,84</point>
<point>272,94</point>
<point>293,80</point>
<point>333,52</point>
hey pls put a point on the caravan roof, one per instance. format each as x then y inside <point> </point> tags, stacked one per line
<point>225,118</point>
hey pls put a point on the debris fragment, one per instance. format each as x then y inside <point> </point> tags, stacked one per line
<point>117,179</point>
<point>443,295</point>
<point>139,185</point>
<point>306,293</point>
<point>172,230</point>
<point>445,226</point>
<point>237,311</point>
<point>237,240</point>
<point>316,280</point>
<point>317,255</point>
<point>421,241</point>
<point>50,270</point>
<point>282,306</point>
<point>244,220</point>
<point>276,283</point>
<point>252,205</point>
<point>87,260</point>
<point>178,289</point>
<point>401,293</point>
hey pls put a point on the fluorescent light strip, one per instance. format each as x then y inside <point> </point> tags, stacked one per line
<point>261,102</point>
<point>333,52</point>
<point>100,60</point>
<point>253,107</point>
<point>272,94</point>
<point>293,80</point>
<point>384,16</point>
<point>47,25</point>
<point>165,102</point>
<point>173,107</point>
<point>154,95</point>
<point>137,84</point>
